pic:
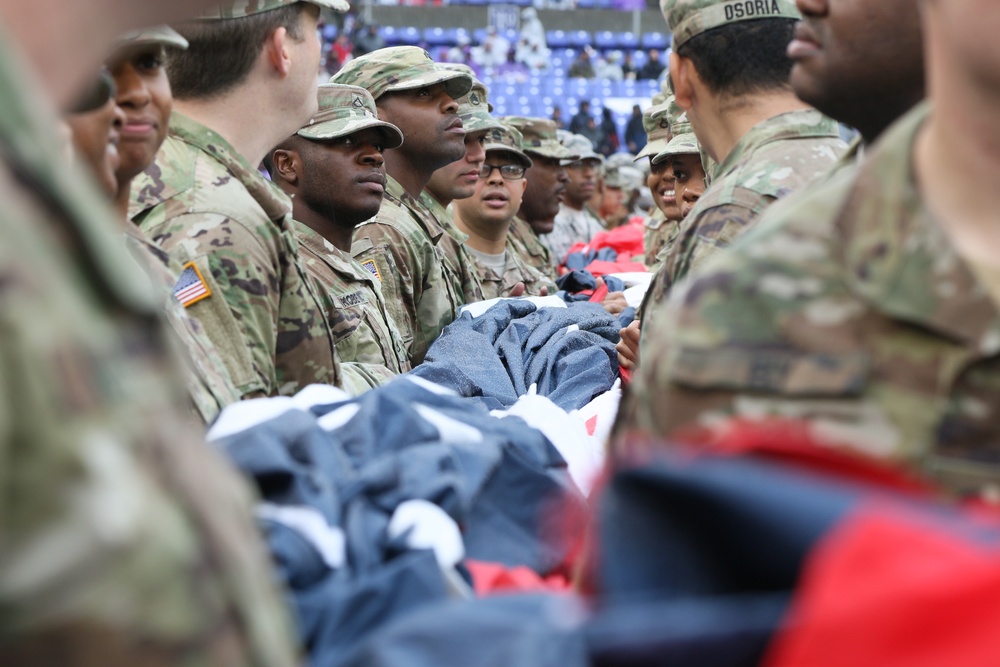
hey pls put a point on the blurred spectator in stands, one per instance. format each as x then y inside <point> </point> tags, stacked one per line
<point>580,118</point>
<point>609,67</point>
<point>532,49</point>
<point>492,52</point>
<point>532,30</point>
<point>653,67</point>
<point>340,52</point>
<point>628,67</point>
<point>368,39</point>
<point>608,140</point>
<point>582,68</point>
<point>462,51</point>
<point>558,119</point>
<point>513,70</point>
<point>536,57</point>
<point>635,135</point>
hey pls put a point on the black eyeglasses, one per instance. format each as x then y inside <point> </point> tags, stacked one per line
<point>511,172</point>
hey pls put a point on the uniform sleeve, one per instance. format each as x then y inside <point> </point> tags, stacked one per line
<point>240,313</point>
<point>766,330</point>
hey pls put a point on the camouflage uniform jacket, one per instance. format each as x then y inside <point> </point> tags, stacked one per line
<point>458,258</point>
<point>531,249</point>
<point>365,333</point>
<point>402,246</point>
<point>125,539</point>
<point>208,381</point>
<point>515,271</point>
<point>203,203</point>
<point>846,306</point>
<point>571,227</point>
<point>776,157</point>
<point>660,236</point>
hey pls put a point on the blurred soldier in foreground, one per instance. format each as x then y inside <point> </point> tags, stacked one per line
<point>334,171</point>
<point>125,540</point>
<point>486,217</point>
<point>405,246</point>
<point>867,309</point>
<point>206,204</point>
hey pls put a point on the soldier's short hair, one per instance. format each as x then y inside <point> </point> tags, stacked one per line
<point>743,58</point>
<point>222,53</point>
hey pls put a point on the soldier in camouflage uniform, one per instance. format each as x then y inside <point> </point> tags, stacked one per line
<point>458,179</point>
<point>404,245</point>
<point>486,216</point>
<point>868,307</point>
<point>663,225</point>
<point>126,541</point>
<point>204,201</point>
<point>576,221</point>
<point>334,172</point>
<point>546,182</point>
<point>788,145</point>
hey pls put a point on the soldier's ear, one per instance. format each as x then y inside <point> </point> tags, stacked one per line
<point>683,74</point>
<point>278,52</point>
<point>287,166</point>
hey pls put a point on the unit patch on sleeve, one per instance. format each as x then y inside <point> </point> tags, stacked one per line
<point>191,286</point>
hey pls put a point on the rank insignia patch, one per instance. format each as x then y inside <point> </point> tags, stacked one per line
<point>191,287</point>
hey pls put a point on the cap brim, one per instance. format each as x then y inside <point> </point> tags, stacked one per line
<point>682,144</point>
<point>164,36</point>
<point>479,121</point>
<point>332,129</point>
<point>504,148</point>
<point>456,84</point>
<point>651,148</point>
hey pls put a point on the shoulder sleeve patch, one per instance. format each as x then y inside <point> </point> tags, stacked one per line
<point>191,286</point>
<point>372,268</point>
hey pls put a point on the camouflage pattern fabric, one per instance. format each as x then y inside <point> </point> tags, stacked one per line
<point>539,136</point>
<point>397,68</point>
<point>530,249</point>
<point>571,226</point>
<point>690,18</point>
<point>515,271</point>
<point>656,123</point>
<point>208,381</point>
<point>366,333</point>
<point>234,9</point>
<point>773,159</point>
<point>660,236</point>
<point>455,253</point>
<point>344,110</point>
<point>405,248</point>
<point>847,306</point>
<point>126,540</point>
<point>205,205</point>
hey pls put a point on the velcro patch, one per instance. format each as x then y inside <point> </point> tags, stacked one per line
<point>191,286</point>
<point>353,299</point>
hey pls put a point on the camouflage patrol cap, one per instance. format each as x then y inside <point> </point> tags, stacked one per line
<point>581,145</point>
<point>656,122</point>
<point>397,68</point>
<point>539,137</point>
<point>164,35</point>
<point>345,110</point>
<point>474,107</point>
<point>234,9</point>
<point>624,178</point>
<point>684,142</point>
<point>507,139</point>
<point>620,159</point>
<point>689,18</point>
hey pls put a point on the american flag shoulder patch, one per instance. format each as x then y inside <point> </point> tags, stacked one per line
<point>191,286</point>
<point>372,268</point>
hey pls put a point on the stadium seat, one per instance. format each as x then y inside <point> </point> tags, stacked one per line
<point>655,40</point>
<point>605,40</point>
<point>557,39</point>
<point>580,39</point>
<point>627,40</point>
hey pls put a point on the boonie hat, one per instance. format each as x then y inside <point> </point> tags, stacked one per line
<point>507,139</point>
<point>689,18</point>
<point>539,137</point>
<point>235,9</point>
<point>400,68</point>
<point>345,110</point>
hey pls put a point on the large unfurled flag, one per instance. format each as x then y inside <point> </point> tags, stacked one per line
<point>191,287</point>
